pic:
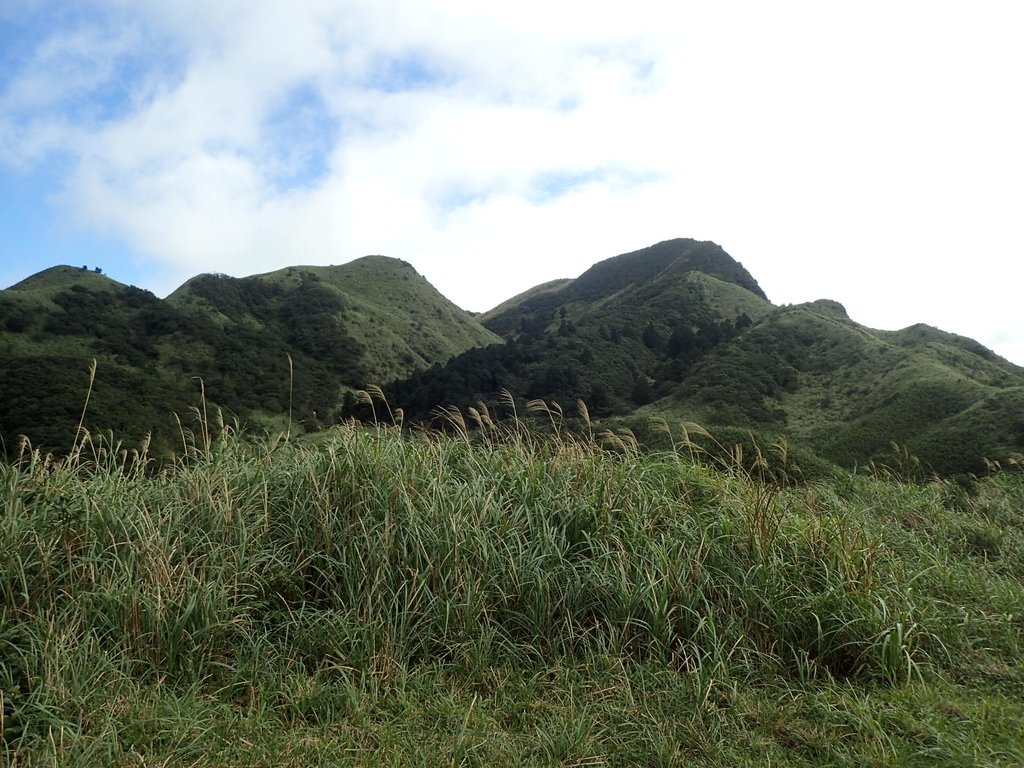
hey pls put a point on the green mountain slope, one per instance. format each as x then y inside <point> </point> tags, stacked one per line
<point>850,392</point>
<point>619,335</point>
<point>652,273</point>
<point>46,284</point>
<point>514,302</point>
<point>678,330</point>
<point>290,342</point>
<point>52,325</point>
<point>683,332</point>
<point>399,320</point>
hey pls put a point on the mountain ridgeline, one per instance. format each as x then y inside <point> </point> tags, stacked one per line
<point>618,336</point>
<point>679,331</point>
<point>682,332</point>
<point>288,344</point>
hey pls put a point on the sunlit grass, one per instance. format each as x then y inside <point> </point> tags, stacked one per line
<point>492,596</point>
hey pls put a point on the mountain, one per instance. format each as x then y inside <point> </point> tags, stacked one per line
<point>618,336</point>
<point>653,280</point>
<point>679,330</point>
<point>399,320</point>
<point>292,341</point>
<point>682,331</point>
<point>849,392</point>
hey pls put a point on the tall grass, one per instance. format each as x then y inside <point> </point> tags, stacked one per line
<point>298,584</point>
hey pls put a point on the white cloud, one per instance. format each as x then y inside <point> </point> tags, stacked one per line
<point>869,154</point>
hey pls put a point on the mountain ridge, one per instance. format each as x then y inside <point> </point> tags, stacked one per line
<point>678,329</point>
<point>655,335</point>
<point>282,350</point>
<point>678,256</point>
<point>401,320</point>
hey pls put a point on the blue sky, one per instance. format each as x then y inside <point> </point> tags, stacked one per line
<point>868,153</point>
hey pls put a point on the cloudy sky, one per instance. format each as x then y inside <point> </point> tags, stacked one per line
<point>868,152</point>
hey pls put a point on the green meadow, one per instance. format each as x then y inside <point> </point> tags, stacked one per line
<point>491,595</point>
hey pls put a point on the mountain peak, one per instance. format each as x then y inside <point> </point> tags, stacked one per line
<point>679,255</point>
<point>62,277</point>
<point>827,307</point>
<point>658,270</point>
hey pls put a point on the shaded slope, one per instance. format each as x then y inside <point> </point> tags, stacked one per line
<point>521,298</point>
<point>52,326</point>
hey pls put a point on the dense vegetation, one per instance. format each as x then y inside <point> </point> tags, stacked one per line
<point>400,322</point>
<point>678,330</point>
<point>498,598</point>
<point>650,268</point>
<point>265,348</point>
<point>619,336</point>
<point>848,392</point>
<point>151,350</point>
<point>609,366</point>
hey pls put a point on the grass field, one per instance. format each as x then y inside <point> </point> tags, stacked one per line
<point>491,597</point>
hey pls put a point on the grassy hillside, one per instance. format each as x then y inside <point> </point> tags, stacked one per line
<point>512,303</point>
<point>609,284</point>
<point>678,330</point>
<point>501,600</point>
<point>52,326</point>
<point>400,322</point>
<point>848,392</point>
<point>266,349</point>
<point>46,284</point>
<point>617,336</point>
<point>682,331</point>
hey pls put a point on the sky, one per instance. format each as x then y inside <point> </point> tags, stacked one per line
<point>869,152</point>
